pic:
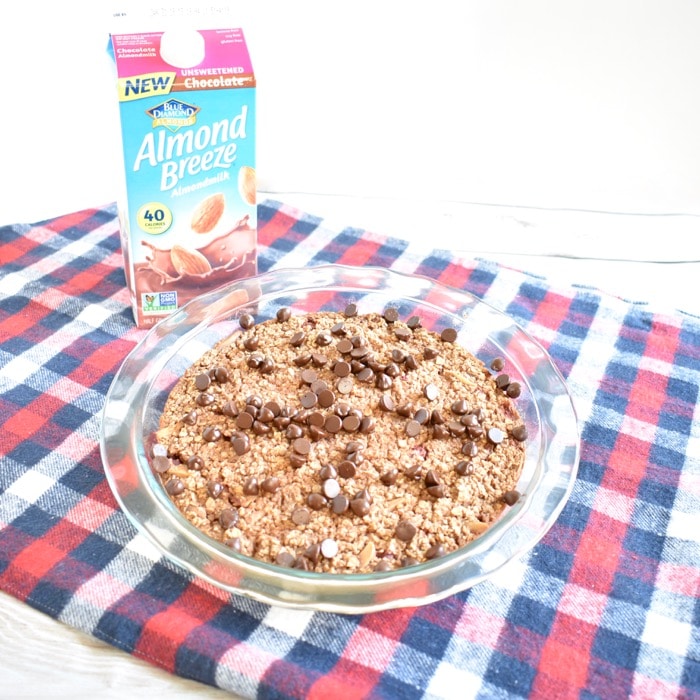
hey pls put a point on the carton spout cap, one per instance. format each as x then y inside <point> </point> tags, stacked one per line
<point>182,48</point>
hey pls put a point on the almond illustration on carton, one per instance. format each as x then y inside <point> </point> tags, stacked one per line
<point>247,184</point>
<point>188,262</point>
<point>207,213</point>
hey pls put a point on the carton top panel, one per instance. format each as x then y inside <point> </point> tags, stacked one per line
<point>189,52</point>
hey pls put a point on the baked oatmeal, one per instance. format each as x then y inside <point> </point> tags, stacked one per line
<point>341,442</point>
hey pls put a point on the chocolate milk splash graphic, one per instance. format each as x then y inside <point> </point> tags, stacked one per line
<point>231,256</point>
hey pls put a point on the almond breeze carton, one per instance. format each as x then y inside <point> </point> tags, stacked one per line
<point>188,211</point>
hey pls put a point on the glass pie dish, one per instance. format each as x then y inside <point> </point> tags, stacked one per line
<point>138,392</point>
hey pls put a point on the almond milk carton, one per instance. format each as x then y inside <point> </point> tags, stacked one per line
<point>188,210</point>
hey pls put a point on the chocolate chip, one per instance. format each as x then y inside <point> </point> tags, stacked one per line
<point>284,314</point>
<point>202,381</point>
<point>161,464</point>
<point>286,559</point>
<point>405,531</point>
<point>250,487</point>
<point>219,375</point>
<point>211,434</point>
<point>344,385</point>
<point>405,409</point>
<point>297,339</point>
<point>301,562</point>
<point>421,416</point>
<point>329,548</point>
<point>360,506</point>
<point>338,328</point>
<point>513,390</point>
<point>326,398</point>
<point>413,322</point>
<point>251,343</point>
<point>502,381</point>
<point>392,370</point>
<point>347,469</point>
<point>309,399</point>
<point>316,501</point>
<point>497,364</point>
<point>344,346</point>
<point>297,460</point>
<point>195,462</point>
<point>431,392</point>
<point>333,424</point>
<point>398,355</point>
<point>301,516</point>
<point>449,335</point>
<point>383,565</point>
<point>340,504</point>
<point>435,552</point>
<point>384,382</point>
<point>309,376</point>
<point>412,428</point>
<point>318,386</point>
<point>302,360</point>
<point>293,431</point>
<point>324,338</point>
<point>440,432</point>
<point>341,369</point>
<point>318,359</point>
<point>519,433</point>
<point>190,418</point>
<point>431,478</point>
<point>391,315</point>
<point>265,415</point>
<point>410,362</point>
<point>228,518</point>
<point>366,374</point>
<point>459,407</point>
<point>351,423</point>
<point>301,446</point>
<point>175,486</point>
<point>240,443</point>
<point>246,321</point>
<point>402,333</point>
<point>244,420</point>
<point>317,433</point>
<point>511,497</point>
<point>430,353</point>
<point>464,468</point>
<point>270,485</point>
<point>389,477</point>
<point>414,472</point>
<point>205,399</point>
<point>328,471</point>
<point>331,488</point>
<point>386,403</point>
<point>437,491</point>
<point>313,552</point>
<point>456,428</point>
<point>495,436</point>
<point>367,425</point>
<point>215,488</point>
<point>470,448</point>
<point>351,310</point>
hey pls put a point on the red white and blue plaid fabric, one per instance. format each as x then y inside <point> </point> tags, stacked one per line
<point>606,606</point>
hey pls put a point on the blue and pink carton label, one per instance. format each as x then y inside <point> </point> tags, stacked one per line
<point>188,210</point>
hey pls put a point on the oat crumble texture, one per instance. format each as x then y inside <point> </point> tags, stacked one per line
<point>341,442</point>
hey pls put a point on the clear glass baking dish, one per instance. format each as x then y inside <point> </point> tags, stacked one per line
<point>138,391</point>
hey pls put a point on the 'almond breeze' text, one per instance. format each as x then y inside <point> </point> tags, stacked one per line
<point>193,151</point>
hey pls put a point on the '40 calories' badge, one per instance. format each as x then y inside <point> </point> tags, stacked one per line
<point>154,218</point>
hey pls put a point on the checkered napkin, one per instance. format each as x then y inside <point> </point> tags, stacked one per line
<point>606,606</point>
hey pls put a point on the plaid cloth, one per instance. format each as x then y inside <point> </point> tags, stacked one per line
<point>606,606</point>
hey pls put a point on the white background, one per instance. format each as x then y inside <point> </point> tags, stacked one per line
<point>583,104</point>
